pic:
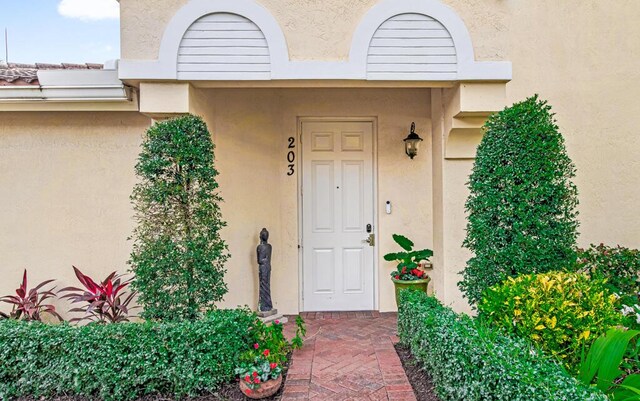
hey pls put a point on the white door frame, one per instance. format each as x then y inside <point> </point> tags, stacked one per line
<point>299,168</point>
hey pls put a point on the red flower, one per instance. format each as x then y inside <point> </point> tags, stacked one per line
<point>417,272</point>
<point>256,380</point>
<point>277,322</point>
<point>256,346</point>
<point>397,277</point>
<point>255,374</point>
<point>247,378</point>
<point>247,391</point>
<point>404,270</point>
<point>266,352</point>
<point>273,365</point>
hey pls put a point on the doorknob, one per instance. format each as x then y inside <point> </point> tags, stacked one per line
<point>371,240</point>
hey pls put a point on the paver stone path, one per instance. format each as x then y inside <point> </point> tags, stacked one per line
<point>347,356</point>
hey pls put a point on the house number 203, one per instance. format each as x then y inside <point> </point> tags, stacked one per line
<point>291,156</point>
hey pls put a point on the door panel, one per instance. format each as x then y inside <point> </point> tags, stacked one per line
<point>337,205</point>
<point>354,275</point>
<point>323,269</point>
<point>352,196</point>
<point>322,179</point>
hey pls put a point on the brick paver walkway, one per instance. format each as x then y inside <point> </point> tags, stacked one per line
<point>348,356</point>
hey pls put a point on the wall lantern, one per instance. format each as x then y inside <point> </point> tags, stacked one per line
<point>412,142</point>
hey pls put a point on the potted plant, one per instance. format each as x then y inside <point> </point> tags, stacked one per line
<point>261,376</point>
<point>409,273</point>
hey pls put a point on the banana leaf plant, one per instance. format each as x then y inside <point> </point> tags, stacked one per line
<point>601,366</point>
<point>104,302</point>
<point>29,304</point>
<point>408,259</point>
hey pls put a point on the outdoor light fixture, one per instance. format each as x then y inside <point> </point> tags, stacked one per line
<point>412,142</point>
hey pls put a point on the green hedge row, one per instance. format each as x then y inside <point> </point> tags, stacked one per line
<point>471,362</point>
<point>122,361</point>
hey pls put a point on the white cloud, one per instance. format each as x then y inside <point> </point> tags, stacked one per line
<point>89,10</point>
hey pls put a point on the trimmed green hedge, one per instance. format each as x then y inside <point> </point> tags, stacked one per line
<point>469,362</point>
<point>122,361</point>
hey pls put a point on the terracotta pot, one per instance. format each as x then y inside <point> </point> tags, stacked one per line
<point>419,285</point>
<point>266,389</point>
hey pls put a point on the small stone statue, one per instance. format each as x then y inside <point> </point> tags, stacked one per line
<point>264,272</point>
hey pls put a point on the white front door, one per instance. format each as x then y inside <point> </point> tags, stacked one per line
<point>337,213</point>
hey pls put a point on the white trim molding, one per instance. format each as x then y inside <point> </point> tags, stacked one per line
<point>101,88</point>
<point>282,68</point>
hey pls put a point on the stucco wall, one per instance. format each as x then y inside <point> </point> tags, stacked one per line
<point>251,127</point>
<point>65,182</point>
<point>314,29</point>
<point>68,177</point>
<point>581,56</point>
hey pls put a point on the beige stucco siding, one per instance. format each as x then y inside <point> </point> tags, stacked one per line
<point>65,182</point>
<point>582,56</point>
<point>68,177</point>
<point>314,29</point>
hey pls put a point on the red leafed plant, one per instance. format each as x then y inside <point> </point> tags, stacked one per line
<point>30,304</point>
<point>104,302</point>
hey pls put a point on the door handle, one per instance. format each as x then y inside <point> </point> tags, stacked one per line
<point>371,240</point>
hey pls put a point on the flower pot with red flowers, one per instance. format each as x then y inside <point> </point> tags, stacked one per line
<point>409,273</point>
<point>261,377</point>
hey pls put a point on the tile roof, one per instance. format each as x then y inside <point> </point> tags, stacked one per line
<point>27,74</point>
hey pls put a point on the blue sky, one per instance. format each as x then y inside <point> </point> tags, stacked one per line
<point>55,31</point>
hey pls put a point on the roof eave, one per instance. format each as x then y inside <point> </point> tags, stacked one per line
<point>71,86</point>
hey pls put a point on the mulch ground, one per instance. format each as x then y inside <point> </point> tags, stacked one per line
<point>228,392</point>
<point>420,380</point>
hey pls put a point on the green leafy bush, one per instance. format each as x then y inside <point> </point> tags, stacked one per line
<point>619,265</point>
<point>560,312</point>
<point>118,362</point>
<point>263,360</point>
<point>469,362</point>
<point>631,315</point>
<point>271,337</point>
<point>601,365</point>
<point>621,268</point>
<point>522,202</point>
<point>178,255</point>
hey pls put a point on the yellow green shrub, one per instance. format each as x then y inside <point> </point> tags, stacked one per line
<point>560,312</point>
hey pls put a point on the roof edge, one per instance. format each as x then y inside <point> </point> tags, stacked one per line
<point>71,86</point>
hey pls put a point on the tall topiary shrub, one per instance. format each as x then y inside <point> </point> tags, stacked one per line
<point>178,255</point>
<point>522,202</point>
